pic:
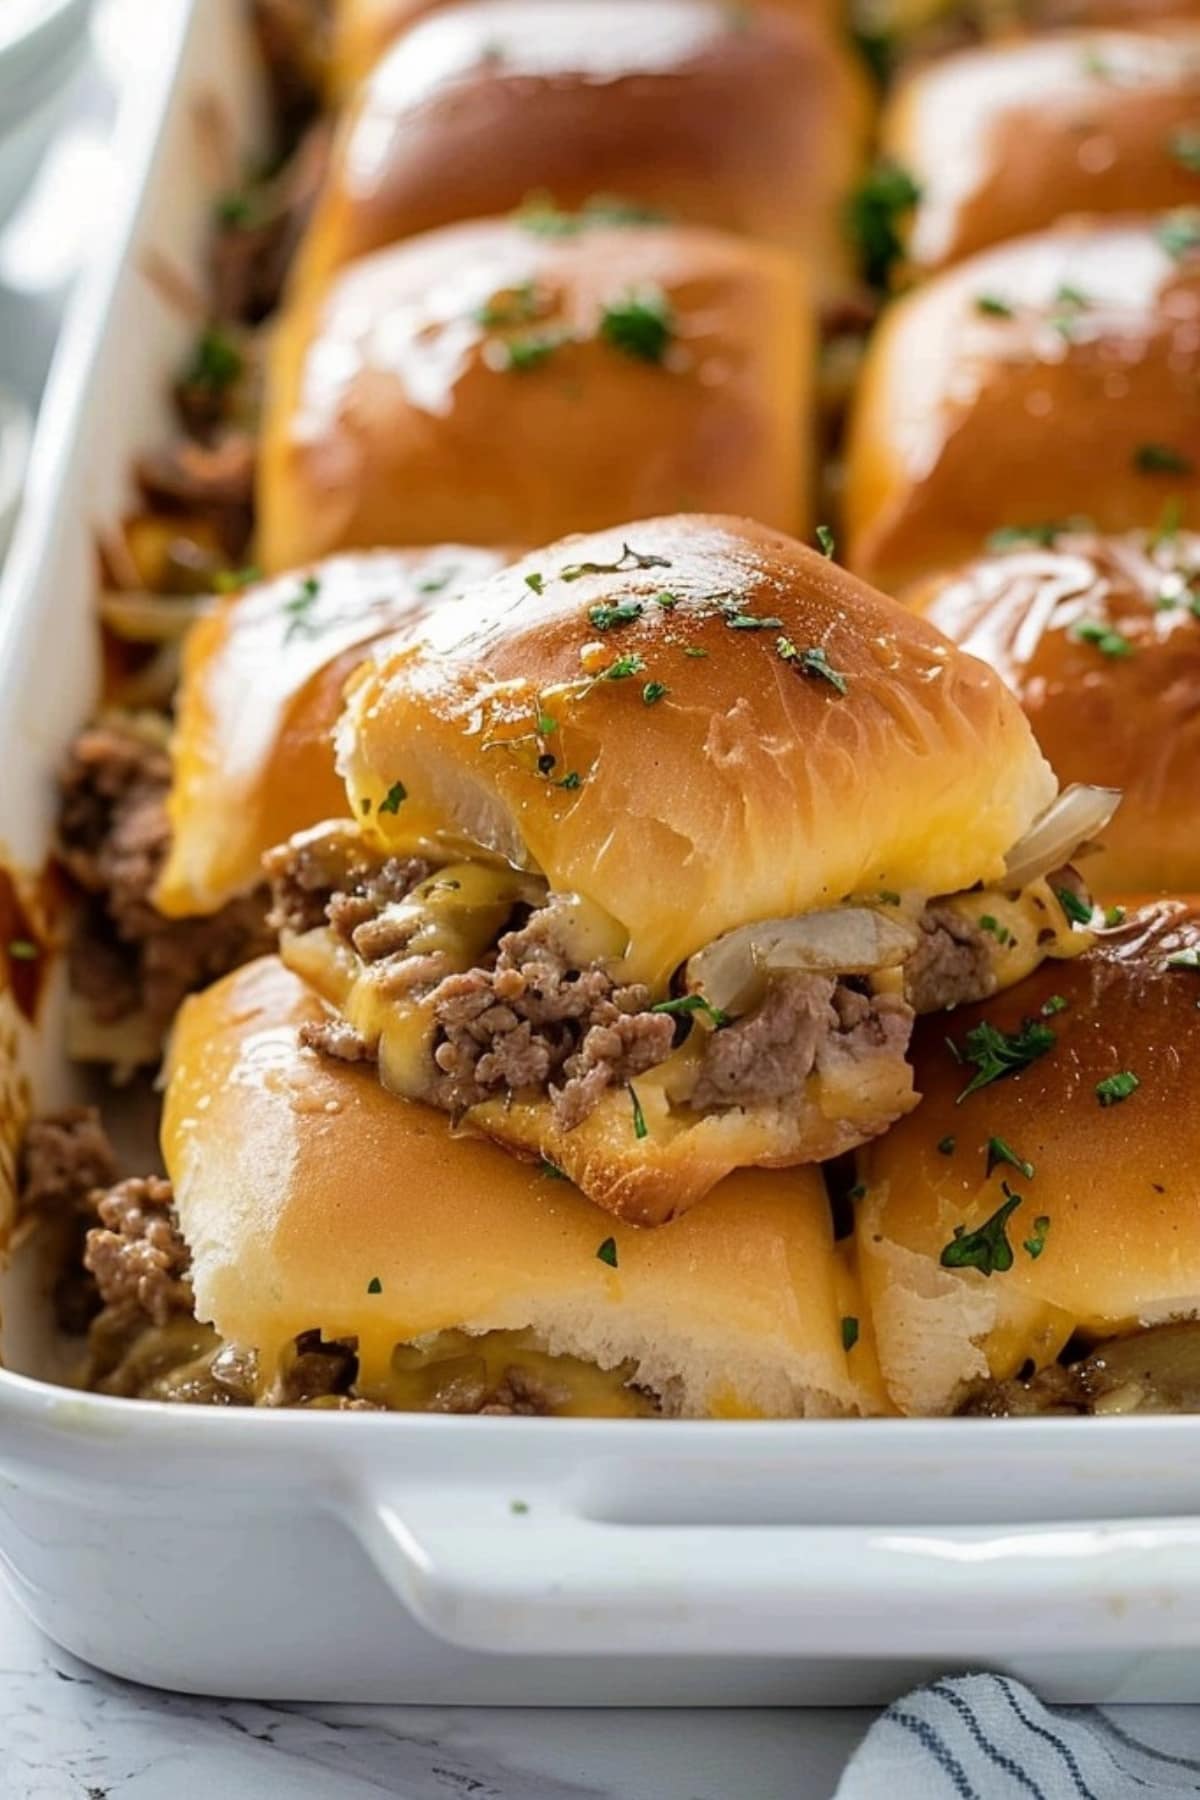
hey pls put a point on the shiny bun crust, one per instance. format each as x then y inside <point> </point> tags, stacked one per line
<point>261,689</point>
<point>726,777</point>
<point>1006,138</point>
<point>1078,399</point>
<point>466,387</point>
<point>1124,710</point>
<point>313,1200</point>
<point>1117,1183</point>
<point>753,121</point>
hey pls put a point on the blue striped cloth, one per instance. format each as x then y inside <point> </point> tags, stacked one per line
<point>985,1737</point>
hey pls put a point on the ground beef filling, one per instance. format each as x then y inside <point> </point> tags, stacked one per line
<point>951,965</point>
<point>126,957</point>
<point>1156,1370</point>
<point>532,1019</point>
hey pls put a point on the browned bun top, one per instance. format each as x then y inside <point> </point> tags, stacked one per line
<point>694,722</point>
<point>1106,1232</point>
<point>751,120</point>
<point>1099,639</point>
<point>1049,379</point>
<point>1007,138</point>
<point>489,383</point>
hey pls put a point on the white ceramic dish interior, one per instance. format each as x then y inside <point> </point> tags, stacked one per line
<point>443,1560</point>
<point>42,45</point>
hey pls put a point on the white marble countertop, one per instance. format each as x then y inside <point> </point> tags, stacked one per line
<point>69,1733</point>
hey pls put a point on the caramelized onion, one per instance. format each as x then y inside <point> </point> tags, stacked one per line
<point>1078,814</point>
<point>846,940</point>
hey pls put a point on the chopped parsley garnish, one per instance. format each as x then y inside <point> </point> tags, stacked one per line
<point>216,361</point>
<point>628,559</point>
<point>988,1248</point>
<point>1114,916</point>
<point>571,782</point>
<point>623,667</point>
<point>515,306</point>
<point>639,1117</point>
<point>232,581</point>
<point>1069,302</point>
<point>857,1192</point>
<point>993,306</point>
<point>694,650</point>
<point>518,1506</point>
<point>392,799</point>
<point>825,539</point>
<point>536,582</point>
<point>1055,1004</point>
<point>1115,1088</point>
<point>1035,1243</point>
<point>640,324</point>
<point>875,214</point>
<point>1103,637</point>
<point>849,1333</point>
<point>946,1146</point>
<point>1185,148</point>
<point>607,1253</point>
<point>521,353</point>
<point>299,609</point>
<point>994,1053</point>
<point>1078,911</point>
<point>813,661</point>
<point>1183,959</point>
<point>551,1170</point>
<point>607,618</point>
<point>374,1286</point>
<point>1001,933</point>
<point>653,692</point>
<point>1161,459</point>
<point>23,950</point>
<point>544,219</point>
<point>1179,233</point>
<point>1012,537</point>
<point>668,602</point>
<point>547,724</point>
<point>887,897</point>
<point>1000,1152</point>
<point>692,1003</point>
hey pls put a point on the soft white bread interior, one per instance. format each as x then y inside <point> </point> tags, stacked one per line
<point>313,1200</point>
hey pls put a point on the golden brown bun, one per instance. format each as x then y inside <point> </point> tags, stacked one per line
<point>1082,402</point>
<point>261,689</point>
<point>301,1185</point>
<point>753,121</point>
<point>750,790</point>
<point>1119,1184</point>
<point>1006,139</point>
<point>363,29</point>
<point>392,417</point>
<point>1124,713</point>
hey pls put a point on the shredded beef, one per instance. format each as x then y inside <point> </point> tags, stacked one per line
<point>63,1157</point>
<point>214,480</point>
<point>137,1252</point>
<point>317,1371</point>
<point>523,1395</point>
<point>951,965</point>
<point>113,839</point>
<point>256,241</point>
<point>324,876</point>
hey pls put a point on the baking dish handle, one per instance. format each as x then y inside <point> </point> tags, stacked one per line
<point>492,1574</point>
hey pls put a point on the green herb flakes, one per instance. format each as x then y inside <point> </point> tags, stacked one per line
<point>1000,1152</point>
<point>391,801</point>
<point>813,661</point>
<point>1115,1088</point>
<point>986,1249</point>
<point>639,1117</point>
<point>849,1333</point>
<point>640,324</point>
<point>607,1253</point>
<point>995,1054</point>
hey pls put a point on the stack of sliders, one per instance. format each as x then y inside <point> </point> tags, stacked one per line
<point>626,894</point>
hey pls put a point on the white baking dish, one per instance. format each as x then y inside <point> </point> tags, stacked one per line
<point>435,1559</point>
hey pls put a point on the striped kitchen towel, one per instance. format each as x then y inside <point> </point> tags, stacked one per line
<point>985,1737</point>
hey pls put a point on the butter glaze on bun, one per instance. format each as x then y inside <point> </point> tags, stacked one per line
<point>312,1200</point>
<point>260,692</point>
<point>1097,638</point>
<point>491,385</point>
<point>1116,1184</point>
<point>1077,400</point>
<point>753,121</point>
<point>1007,138</point>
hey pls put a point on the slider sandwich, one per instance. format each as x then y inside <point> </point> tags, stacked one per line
<point>753,121</point>
<point>325,1244</point>
<point>1049,380</point>
<point>260,692</point>
<point>1029,1239</point>
<point>1099,638</point>
<point>656,843</point>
